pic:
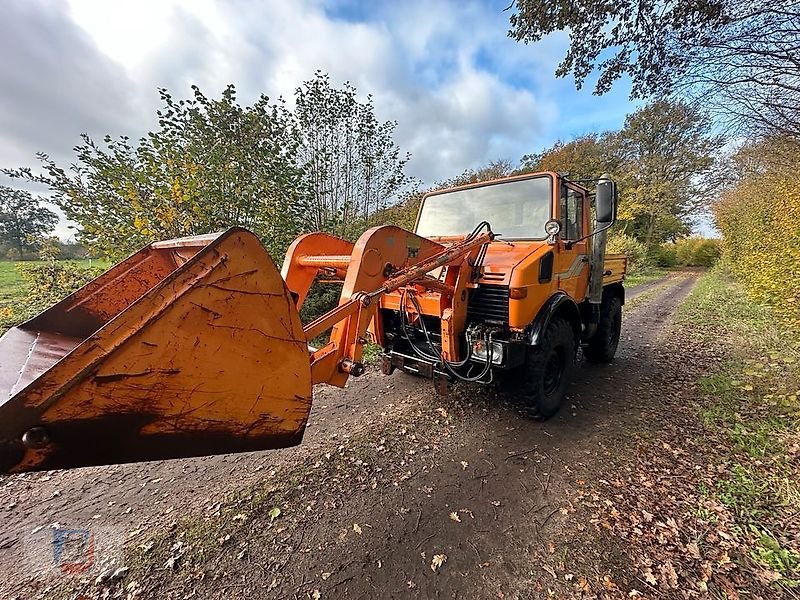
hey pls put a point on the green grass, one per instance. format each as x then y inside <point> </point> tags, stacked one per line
<point>17,302</point>
<point>645,276</point>
<point>372,354</point>
<point>750,399</point>
<point>12,287</point>
<point>771,553</point>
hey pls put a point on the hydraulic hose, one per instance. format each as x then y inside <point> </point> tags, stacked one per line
<point>449,366</point>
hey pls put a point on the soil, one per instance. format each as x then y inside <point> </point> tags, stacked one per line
<point>395,492</point>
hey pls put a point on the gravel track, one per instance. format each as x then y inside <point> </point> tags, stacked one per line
<point>514,489</point>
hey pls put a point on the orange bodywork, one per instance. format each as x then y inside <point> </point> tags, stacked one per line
<point>186,348</point>
<point>515,265</point>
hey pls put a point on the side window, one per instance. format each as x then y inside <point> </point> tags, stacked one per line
<point>571,215</point>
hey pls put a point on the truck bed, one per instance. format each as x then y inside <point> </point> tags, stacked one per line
<point>614,269</point>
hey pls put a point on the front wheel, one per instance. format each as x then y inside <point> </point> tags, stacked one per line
<point>540,383</point>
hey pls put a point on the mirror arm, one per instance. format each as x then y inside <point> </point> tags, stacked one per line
<point>570,243</point>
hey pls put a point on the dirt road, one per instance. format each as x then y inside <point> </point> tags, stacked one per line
<point>395,493</point>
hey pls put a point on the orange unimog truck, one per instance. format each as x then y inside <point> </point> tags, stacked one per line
<point>195,346</point>
<point>544,287</point>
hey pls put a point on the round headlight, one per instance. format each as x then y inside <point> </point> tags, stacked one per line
<point>552,227</point>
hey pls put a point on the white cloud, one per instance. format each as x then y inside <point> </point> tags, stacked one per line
<point>461,91</point>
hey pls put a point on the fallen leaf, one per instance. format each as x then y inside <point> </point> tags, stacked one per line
<point>326,575</point>
<point>356,528</point>
<point>693,549</point>
<point>464,465</point>
<point>438,561</point>
<point>315,595</point>
<point>669,576</point>
<point>608,583</point>
<point>274,513</point>
<point>455,517</point>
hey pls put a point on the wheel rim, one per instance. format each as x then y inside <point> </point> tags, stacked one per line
<point>554,371</point>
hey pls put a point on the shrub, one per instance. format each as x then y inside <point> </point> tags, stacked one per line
<point>707,253</point>
<point>664,255</point>
<point>684,251</point>
<point>321,298</point>
<point>47,284</point>
<point>621,243</point>
<point>759,221</point>
<point>696,251</point>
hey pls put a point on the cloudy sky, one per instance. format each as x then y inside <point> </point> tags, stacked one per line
<point>462,92</point>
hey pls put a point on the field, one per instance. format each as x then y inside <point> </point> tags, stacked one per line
<point>12,286</point>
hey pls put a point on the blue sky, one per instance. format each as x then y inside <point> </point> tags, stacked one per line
<point>462,92</point>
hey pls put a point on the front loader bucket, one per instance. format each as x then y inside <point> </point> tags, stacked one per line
<point>189,347</point>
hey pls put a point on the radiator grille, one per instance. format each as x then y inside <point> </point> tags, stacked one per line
<point>489,303</point>
<point>492,277</point>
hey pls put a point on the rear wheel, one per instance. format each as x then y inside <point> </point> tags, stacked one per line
<point>603,344</point>
<point>540,383</point>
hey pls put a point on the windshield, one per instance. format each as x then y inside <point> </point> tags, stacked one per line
<point>515,209</point>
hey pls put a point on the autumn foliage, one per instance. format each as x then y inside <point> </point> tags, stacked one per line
<point>759,218</point>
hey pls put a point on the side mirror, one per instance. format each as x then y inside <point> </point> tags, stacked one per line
<point>606,201</point>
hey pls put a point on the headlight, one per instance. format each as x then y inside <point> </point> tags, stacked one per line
<point>479,348</point>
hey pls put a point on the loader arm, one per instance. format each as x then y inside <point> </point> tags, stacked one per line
<point>194,346</point>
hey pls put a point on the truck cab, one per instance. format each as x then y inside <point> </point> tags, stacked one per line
<point>542,288</point>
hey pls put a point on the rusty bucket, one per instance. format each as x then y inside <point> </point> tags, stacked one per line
<point>189,347</point>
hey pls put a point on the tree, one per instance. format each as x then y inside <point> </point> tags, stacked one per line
<point>661,160</point>
<point>50,249</point>
<point>23,220</point>
<point>495,169</point>
<point>586,157</point>
<point>353,168</point>
<point>736,56</point>
<point>666,153</point>
<point>210,165</point>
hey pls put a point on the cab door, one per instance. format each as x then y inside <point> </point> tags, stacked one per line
<point>573,263</point>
